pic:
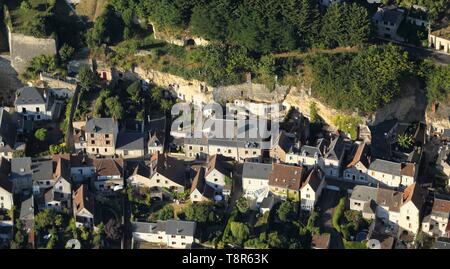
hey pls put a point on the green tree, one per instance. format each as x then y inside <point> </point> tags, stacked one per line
<point>134,91</point>
<point>66,52</point>
<point>405,141</point>
<point>240,232</point>
<point>242,205</point>
<point>115,107</point>
<point>438,83</point>
<point>287,211</point>
<point>87,78</point>
<point>166,213</point>
<point>199,212</point>
<point>41,134</point>
<point>39,64</point>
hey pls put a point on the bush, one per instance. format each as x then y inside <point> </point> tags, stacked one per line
<point>338,212</point>
<point>41,134</point>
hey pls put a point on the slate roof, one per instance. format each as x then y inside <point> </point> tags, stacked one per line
<point>179,227</point>
<point>142,170</point>
<point>267,202</point>
<point>50,195</point>
<point>100,125</point>
<point>5,183</point>
<point>387,167</point>
<point>388,14</point>
<point>29,96</point>
<point>156,138</point>
<point>20,167</point>
<point>169,167</point>
<point>442,243</point>
<point>389,198</point>
<point>170,227</point>
<point>284,141</point>
<point>27,212</point>
<point>130,141</point>
<point>336,148</point>
<point>42,170</point>
<point>364,193</point>
<point>256,170</point>
<point>8,131</point>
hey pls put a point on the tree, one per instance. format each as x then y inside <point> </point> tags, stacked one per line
<point>39,64</point>
<point>199,212</point>
<point>287,211</point>
<point>276,240</point>
<point>25,5</point>
<point>134,91</point>
<point>99,234</point>
<point>438,83</point>
<point>312,225</point>
<point>19,153</point>
<point>113,230</point>
<point>41,134</point>
<point>345,25</point>
<point>314,113</point>
<point>115,107</point>
<point>87,78</point>
<point>240,231</point>
<point>66,52</point>
<point>405,141</point>
<point>166,104</point>
<point>242,205</point>
<point>166,213</point>
<point>20,238</point>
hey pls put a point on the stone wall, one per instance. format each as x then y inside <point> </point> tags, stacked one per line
<point>24,48</point>
<point>252,92</point>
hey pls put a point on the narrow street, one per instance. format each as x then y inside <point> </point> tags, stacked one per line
<point>327,203</point>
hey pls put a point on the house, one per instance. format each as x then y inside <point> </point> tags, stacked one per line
<point>320,241</point>
<point>379,236</point>
<point>285,181</point>
<point>200,191</point>
<point>140,175</point>
<point>8,132</point>
<point>83,207</point>
<point>395,208</point>
<point>309,156</point>
<point>255,181</point>
<point>42,175</point>
<point>52,200</point>
<point>439,39</point>
<point>196,147</point>
<point>311,188</point>
<point>6,193</point>
<point>387,19</point>
<point>130,145</point>
<point>167,172</point>
<point>108,174</point>
<point>101,136</point>
<point>172,233</point>
<point>267,204</point>
<point>155,142</point>
<point>281,146</point>
<point>356,170</point>
<point>21,175</point>
<point>391,174</point>
<point>333,157</point>
<point>418,15</point>
<point>442,243</point>
<point>81,167</point>
<point>437,222</point>
<point>27,211</point>
<point>218,171</point>
<point>62,188</point>
<point>35,104</point>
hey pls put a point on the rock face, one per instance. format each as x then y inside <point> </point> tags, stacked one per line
<point>438,118</point>
<point>301,100</point>
<point>250,91</point>
<point>188,90</point>
<point>409,108</point>
<point>24,48</point>
<point>183,39</point>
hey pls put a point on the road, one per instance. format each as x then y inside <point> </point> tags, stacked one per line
<point>327,203</point>
<point>436,56</point>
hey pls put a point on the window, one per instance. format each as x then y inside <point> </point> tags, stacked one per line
<point>38,117</point>
<point>106,150</point>
<point>183,243</point>
<point>307,196</point>
<point>93,142</point>
<point>160,237</point>
<point>173,242</point>
<point>106,135</point>
<point>229,151</point>
<point>218,150</point>
<point>157,181</point>
<point>93,150</point>
<point>183,237</point>
<point>173,236</point>
<point>167,182</point>
<point>24,110</point>
<point>246,152</point>
<point>92,135</point>
<point>407,217</point>
<point>215,180</point>
<point>1,198</point>
<point>190,147</point>
<point>47,182</point>
<point>108,142</point>
<point>37,109</point>
<point>201,148</point>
